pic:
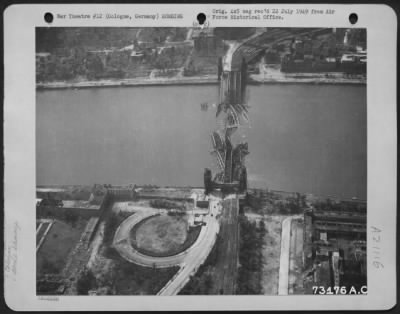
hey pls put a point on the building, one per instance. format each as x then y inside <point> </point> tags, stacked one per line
<point>200,200</point>
<point>121,192</point>
<point>137,56</point>
<point>84,201</point>
<point>195,220</point>
<point>334,245</point>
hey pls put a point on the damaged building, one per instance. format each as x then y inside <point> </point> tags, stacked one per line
<point>335,245</point>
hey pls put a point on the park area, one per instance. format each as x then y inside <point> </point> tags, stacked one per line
<point>163,235</point>
<point>59,242</point>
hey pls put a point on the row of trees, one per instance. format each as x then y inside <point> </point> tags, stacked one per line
<point>290,207</point>
<point>171,57</point>
<point>202,282</point>
<point>199,285</point>
<point>166,204</point>
<point>125,278</point>
<point>250,256</point>
<point>86,281</point>
<point>55,38</point>
<point>49,210</point>
<point>122,277</point>
<point>112,222</point>
<point>70,56</point>
<point>91,66</point>
<point>259,201</point>
<point>345,206</point>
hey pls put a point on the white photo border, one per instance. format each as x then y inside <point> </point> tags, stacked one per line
<point>20,22</point>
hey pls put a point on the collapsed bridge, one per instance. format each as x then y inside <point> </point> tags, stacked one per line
<point>233,110</point>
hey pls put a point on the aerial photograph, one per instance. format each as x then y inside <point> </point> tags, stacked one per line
<point>201,161</point>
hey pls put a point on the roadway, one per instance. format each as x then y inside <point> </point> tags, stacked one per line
<point>233,47</point>
<point>40,237</point>
<point>227,60</point>
<point>189,260</point>
<point>193,259</point>
<point>122,243</point>
<point>283,287</point>
<point>296,257</point>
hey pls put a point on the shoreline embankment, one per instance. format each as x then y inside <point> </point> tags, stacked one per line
<point>211,80</point>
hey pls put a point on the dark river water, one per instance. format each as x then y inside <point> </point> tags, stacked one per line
<point>305,138</point>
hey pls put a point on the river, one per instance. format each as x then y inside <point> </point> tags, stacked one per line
<point>305,138</point>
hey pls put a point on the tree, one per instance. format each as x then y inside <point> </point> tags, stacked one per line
<point>220,68</point>
<point>208,282</point>
<point>49,267</point>
<point>262,227</point>
<point>86,282</point>
<point>71,217</point>
<point>207,181</point>
<point>111,225</point>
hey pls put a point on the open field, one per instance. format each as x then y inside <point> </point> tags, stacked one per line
<point>59,242</point>
<point>163,235</point>
<point>160,233</point>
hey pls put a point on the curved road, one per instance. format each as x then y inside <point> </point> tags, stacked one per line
<point>123,245</point>
<point>196,255</point>
<point>189,260</point>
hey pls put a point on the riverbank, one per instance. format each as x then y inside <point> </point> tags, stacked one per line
<point>273,74</point>
<point>200,80</point>
<point>307,80</point>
